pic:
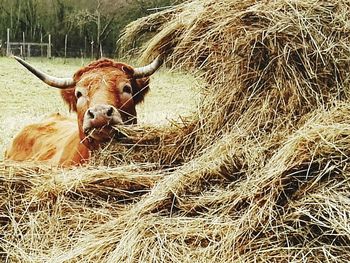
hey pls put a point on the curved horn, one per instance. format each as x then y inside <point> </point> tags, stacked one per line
<point>61,83</point>
<point>148,70</point>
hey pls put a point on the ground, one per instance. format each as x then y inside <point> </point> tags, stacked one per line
<point>25,99</point>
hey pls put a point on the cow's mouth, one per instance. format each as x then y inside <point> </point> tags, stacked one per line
<point>99,134</point>
<point>103,134</point>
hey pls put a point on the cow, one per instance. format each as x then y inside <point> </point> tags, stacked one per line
<point>103,94</point>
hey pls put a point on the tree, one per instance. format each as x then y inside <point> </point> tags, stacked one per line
<point>98,20</point>
<point>102,22</point>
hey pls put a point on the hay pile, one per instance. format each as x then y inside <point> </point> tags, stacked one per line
<point>260,173</point>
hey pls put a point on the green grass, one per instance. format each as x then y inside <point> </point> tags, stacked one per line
<point>25,99</point>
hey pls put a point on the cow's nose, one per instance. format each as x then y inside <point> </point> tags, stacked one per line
<point>100,111</point>
<point>103,112</point>
<point>90,114</point>
<point>101,115</point>
<point>110,111</point>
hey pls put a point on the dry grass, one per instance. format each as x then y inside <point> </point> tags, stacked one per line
<point>259,173</point>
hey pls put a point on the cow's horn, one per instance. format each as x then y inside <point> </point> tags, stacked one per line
<point>148,70</point>
<point>61,83</point>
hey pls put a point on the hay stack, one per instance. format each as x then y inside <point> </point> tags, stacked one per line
<point>261,173</point>
<point>267,63</point>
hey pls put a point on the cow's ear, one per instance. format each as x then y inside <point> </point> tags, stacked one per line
<point>140,88</point>
<point>68,96</point>
<point>127,69</point>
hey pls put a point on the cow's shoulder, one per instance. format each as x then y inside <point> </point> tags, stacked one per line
<point>54,140</point>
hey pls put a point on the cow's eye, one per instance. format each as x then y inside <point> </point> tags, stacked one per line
<point>78,94</point>
<point>127,88</point>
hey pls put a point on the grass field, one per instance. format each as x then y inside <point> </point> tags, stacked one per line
<point>25,99</point>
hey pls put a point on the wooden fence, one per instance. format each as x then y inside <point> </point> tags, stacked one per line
<point>25,48</point>
<point>42,49</point>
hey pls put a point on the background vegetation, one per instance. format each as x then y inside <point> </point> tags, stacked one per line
<point>79,19</point>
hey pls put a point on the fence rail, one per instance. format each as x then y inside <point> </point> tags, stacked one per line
<point>28,49</point>
<point>25,48</point>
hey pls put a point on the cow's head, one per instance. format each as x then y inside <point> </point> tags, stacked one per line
<point>103,94</point>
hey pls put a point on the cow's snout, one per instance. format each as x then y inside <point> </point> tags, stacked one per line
<point>101,116</point>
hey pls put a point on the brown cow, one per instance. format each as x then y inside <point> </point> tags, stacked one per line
<point>103,94</point>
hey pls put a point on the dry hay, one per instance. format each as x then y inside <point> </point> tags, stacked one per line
<point>260,173</point>
<point>267,61</point>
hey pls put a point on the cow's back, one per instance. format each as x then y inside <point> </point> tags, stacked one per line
<point>53,141</point>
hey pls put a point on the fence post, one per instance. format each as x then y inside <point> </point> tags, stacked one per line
<point>8,43</point>
<point>28,52</point>
<point>49,47</point>
<point>65,47</point>
<point>92,49</point>
<point>85,47</point>
<point>24,45</point>
<point>41,44</point>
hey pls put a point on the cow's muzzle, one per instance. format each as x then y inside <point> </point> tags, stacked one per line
<point>98,122</point>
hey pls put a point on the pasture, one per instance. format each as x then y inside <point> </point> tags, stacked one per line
<point>25,99</point>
